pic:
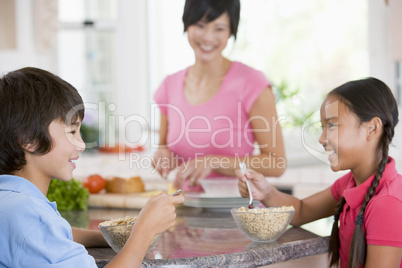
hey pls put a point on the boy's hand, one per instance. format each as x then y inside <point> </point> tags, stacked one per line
<point>159,213</point>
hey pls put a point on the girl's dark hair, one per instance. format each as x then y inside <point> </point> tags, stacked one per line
<point>367,98</point>
<point>195,10</point>
<point>30,99</point>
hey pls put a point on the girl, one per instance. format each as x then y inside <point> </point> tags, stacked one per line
<point>358,120</point>
<point>214,111</point>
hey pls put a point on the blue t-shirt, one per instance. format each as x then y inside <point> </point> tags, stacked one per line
<point>32,232</point>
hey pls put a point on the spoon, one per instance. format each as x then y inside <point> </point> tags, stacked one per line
<point>243,169</point>
<point>177,192</point>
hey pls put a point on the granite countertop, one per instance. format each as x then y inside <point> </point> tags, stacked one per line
<point>210,238</point>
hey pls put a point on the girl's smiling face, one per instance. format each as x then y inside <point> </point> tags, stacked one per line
<point>209,39</point>
<point>343,135</point>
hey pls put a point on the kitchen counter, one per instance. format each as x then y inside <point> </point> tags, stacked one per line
<point>210,238</point>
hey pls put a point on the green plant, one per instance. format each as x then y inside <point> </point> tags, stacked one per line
<point>90,135</point>
<point>69,195</point>
<point>291,105</point>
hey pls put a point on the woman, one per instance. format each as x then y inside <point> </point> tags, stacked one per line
<point>213,112</point>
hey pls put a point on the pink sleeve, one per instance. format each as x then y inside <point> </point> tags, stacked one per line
<point>256,82</point>
<point>161,97</point>
<point>384,218</point>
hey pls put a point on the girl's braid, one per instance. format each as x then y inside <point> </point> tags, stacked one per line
<point>358,247</point>
<point>334,244</point>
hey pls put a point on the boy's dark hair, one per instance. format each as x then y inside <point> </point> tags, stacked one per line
<point>30,99</point>
<point>195,10</point>
<point>366,98</point>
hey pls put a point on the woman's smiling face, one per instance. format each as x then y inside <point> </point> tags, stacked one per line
<point>343,135</point>
<point>209,39</point>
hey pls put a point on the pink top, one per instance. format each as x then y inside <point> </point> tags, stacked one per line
<point>383,216</point>
<point>219,126</point>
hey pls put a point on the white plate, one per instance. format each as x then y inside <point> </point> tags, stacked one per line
<point>220,187</point>
<point>201,200</point>
<point>207,195</point>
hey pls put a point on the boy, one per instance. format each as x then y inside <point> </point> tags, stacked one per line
<point>40,117</point>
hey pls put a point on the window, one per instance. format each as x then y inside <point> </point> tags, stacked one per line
<point>87,58</point>
<point>86,46</point>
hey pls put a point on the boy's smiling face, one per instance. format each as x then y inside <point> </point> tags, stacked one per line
<point>59,162</point>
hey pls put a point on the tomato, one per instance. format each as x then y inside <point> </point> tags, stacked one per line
<point>94,183</point>
<point>121,148</point>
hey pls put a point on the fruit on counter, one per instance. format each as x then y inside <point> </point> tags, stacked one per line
<point>94,183</point>
<point>121,148</point>
<point>171,188</point>
<point>121,185</point>
<point>151,193</point>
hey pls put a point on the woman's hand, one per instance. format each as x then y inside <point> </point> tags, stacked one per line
<point>193,170</point>
<point>258,183</point>
<point>164,162</point>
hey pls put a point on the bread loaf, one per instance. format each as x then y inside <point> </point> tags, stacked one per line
<point>125,186</point>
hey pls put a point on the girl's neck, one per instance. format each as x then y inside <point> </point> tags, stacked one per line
<point>365,171</point>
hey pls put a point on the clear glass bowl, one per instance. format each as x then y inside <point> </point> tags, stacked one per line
<point>116,235</point>
<point>263,224</point>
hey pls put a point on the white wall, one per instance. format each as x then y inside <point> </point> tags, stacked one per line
<point>132,70</point>
<point>25,54</point>
<point>382,65</point>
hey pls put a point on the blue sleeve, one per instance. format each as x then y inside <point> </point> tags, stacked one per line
<point>47,242</point>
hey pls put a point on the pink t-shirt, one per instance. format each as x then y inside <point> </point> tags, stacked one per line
<point>219,126</point>
<point>383,216</point>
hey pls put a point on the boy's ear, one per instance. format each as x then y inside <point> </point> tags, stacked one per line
<point>374,128</point>
<point>29,147</point>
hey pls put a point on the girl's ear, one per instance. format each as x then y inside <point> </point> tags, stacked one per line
<point>374,128</point>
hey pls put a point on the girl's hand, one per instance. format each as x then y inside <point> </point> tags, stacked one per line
<point>159,213</point>
<point>164,162</point>
<point>259,185</point>
<point>193,170</point>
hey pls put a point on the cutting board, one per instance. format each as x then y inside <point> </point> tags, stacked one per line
<point>114,200</point>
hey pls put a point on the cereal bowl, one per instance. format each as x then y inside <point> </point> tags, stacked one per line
<point>117,231</point>
<point>263,224</point>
